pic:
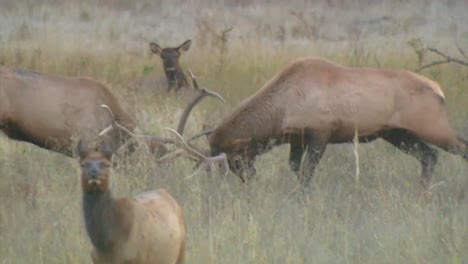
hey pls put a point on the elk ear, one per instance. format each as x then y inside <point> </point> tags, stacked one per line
<point>83,149</point>
<point>185,46</point>
<point>106,150</point>
<point>155,48</point>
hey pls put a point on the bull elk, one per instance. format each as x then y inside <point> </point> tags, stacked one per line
<point>50,111</point>
<point>314,102</point>
<point>147,228</point>
<point>174,78</point>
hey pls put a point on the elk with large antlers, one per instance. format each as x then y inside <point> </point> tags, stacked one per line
<point>314,102</point>
<point>50,111</point>
<point>147,228</point>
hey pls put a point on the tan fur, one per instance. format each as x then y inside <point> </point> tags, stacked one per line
<point>147,228</point>
<point>157,232</point>
<point>50,110</point>
<point>313,102</point>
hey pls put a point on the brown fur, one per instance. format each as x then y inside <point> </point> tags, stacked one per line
<point>50,111</point>
<point>148,228</point>
<point>174,79</point>
<point>313,102</point>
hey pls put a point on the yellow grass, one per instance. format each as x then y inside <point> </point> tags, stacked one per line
<point>385,217</point>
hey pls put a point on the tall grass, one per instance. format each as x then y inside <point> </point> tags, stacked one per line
<point>385,217</point>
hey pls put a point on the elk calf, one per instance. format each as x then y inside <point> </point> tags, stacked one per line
<point>148,228</point>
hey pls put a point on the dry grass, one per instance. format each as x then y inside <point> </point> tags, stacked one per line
<point>385,217</point>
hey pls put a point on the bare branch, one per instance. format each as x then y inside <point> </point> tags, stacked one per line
<point>460,50</point>
<point>447,58</point>
<point>431,64</point>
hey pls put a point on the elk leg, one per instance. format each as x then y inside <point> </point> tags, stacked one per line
<point>295,155</point>
<point>465,142</point>
<point>414,146</point>
<point>313,154</point>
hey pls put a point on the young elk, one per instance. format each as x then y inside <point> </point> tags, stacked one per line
<point>175,78</point>
<point>148,228</point>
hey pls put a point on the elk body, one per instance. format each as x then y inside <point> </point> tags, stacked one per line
<point>174,79</point>
<point>50,110</point>
<point>314,102</point>
<point>147,228</point>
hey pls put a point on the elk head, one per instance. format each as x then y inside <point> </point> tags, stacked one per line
<point>95,167</point>
<point>170,57</point>
<point>240,155</point>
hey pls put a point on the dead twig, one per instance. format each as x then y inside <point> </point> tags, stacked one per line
<point>460,50</point>
<point>447,59</point>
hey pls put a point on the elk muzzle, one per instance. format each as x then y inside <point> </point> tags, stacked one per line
<point>93,172</point>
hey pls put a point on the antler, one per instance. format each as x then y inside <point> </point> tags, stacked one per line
<point>204,159</point>
<point>114,124</point>
<point>203,90</point>
<point>197,155</point>
<point>194,102</point>
<point>201,134</point>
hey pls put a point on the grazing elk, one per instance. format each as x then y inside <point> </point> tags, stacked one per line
<point>50,111</point>
<point>314,102</point>
<point>147,228</point>
<point>175,78</point>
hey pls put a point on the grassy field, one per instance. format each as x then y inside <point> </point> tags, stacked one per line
<point>385,217</point>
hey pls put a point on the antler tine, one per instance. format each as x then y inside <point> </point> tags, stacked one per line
<point>206,160</point>
<point>196,100</point>
<point>194,80</point>
<point>214,94</point>
<point>186,146</point>
<point>115,124</point>
<point>203,90</point>
<point>201,134</point>
<point>111,126</point>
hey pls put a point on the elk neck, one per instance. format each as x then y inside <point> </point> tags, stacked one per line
<point>256,119</point>
<point>180,77</point>
<point>101,214</point>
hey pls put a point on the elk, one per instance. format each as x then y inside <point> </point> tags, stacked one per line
<point>50,111</point>
<point>147,228</point>
<point>174,78</point>
<point>314,102</point>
